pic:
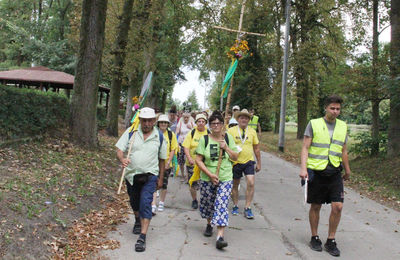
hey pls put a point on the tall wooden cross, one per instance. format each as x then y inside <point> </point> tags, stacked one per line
<point>240,34</point>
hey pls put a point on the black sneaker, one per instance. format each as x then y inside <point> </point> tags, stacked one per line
<point>316,244</point>
<point>195,204</point>
<point>330,247</point>
<point>221,243</point>
<point>137,228</point>
<point>208,231</point>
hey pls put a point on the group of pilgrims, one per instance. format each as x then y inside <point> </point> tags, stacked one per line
<point>218,155</point>
<point>208,155</point>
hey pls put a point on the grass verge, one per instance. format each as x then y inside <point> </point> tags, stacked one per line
<point>58,200</point>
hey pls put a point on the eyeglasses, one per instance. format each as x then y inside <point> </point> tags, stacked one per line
<point>216,124</point>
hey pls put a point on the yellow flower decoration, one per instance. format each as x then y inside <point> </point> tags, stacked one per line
<point>135,100</point>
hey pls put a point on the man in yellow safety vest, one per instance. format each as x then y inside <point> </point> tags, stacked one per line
<point>253,123</point>
<point>323,156</point>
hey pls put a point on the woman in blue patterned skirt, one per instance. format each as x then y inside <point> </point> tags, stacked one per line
<point>215,190</point>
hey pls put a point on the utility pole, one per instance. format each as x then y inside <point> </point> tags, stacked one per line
<point>281,143</point>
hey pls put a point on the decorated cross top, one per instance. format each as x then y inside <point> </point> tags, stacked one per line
<point>238,51</point>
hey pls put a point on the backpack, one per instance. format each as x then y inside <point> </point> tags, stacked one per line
<point>206,141</point>
<point>170,139</point>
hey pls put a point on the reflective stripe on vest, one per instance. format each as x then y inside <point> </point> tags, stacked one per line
<point>253,122</point>
<point>322,149</point>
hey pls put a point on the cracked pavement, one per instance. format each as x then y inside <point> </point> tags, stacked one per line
<point>280,229</point>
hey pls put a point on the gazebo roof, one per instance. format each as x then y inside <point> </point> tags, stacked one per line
<point>37,76</point>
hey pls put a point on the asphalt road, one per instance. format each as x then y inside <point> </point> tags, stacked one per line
<point>280,229</point>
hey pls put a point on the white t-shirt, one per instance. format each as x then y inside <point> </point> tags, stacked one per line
<point>183,129</point>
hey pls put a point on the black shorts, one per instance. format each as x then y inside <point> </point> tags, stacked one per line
<point>243,169</point>
<point>324,189</point>
<point>165,179</point>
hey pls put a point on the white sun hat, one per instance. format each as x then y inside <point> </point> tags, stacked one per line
<point>163,118</point>
<point>147,112</point>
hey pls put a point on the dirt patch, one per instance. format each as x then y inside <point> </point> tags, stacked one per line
<point>51,192</point>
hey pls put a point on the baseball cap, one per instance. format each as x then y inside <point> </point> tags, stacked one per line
<point>236,107</point>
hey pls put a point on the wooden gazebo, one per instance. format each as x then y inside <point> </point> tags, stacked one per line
<point>45,79</point>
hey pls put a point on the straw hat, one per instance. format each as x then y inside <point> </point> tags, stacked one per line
<point>244,112</point>
<point>201,116</point>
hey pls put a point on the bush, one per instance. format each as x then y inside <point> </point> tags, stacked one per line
<point>101,117</point>
<point>364,142</point>
<point>27,112</point>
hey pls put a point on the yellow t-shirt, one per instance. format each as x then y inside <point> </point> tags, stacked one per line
<point>171,145</point>
<point>247,146</point>
<point>192,143</point>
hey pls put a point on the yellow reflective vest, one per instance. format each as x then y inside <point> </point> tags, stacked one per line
<point>254,122</point>
<point>323,149</point>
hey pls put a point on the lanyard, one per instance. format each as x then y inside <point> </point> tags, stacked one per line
<point>240,135</point>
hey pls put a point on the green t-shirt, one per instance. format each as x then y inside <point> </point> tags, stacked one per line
<point>211,154</point>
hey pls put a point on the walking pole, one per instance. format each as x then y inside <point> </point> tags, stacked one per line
<point>123,171</point>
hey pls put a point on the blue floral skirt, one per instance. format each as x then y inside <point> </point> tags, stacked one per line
<point>214,200</point>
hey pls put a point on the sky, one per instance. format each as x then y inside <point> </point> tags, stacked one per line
<point>183,88</point>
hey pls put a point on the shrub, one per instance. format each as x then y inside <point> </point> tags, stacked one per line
<point>27,112</point>
<point>364,142</point>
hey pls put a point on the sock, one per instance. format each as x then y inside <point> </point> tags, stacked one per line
<point>137,220</point>
<point>218,237</point>
<point>142,236</point>
<point>314,237</point>
<point>161,203</point>
<point>330,240</point>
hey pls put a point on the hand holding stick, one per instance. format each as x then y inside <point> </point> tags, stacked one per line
<point>123,171</point>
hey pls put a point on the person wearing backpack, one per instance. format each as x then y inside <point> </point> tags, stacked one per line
<point>189,145</point>
<point>144,169</point>
<point>215,188</point>
<point>172,146</point>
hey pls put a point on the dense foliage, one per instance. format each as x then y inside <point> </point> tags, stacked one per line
<point>334,48</point>
<point>26,112</point>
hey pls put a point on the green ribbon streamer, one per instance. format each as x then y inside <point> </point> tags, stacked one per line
<point>226,84</point>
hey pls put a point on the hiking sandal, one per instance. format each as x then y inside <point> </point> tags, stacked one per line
<point>140,245</point>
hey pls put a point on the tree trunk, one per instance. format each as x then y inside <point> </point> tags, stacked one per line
<point>375,98</point>
<point>301,73</point>
<point>375,126</point>
<point>394,123</point>
<point>133,89</point>
<point>278,66</point>
<point>84,99</point>
<point>119,58</point>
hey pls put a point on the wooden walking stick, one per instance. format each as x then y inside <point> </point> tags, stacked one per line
<point>123,171</point>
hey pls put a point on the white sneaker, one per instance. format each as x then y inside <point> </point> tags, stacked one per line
<point>153,209</point>
<point>161,207</point>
